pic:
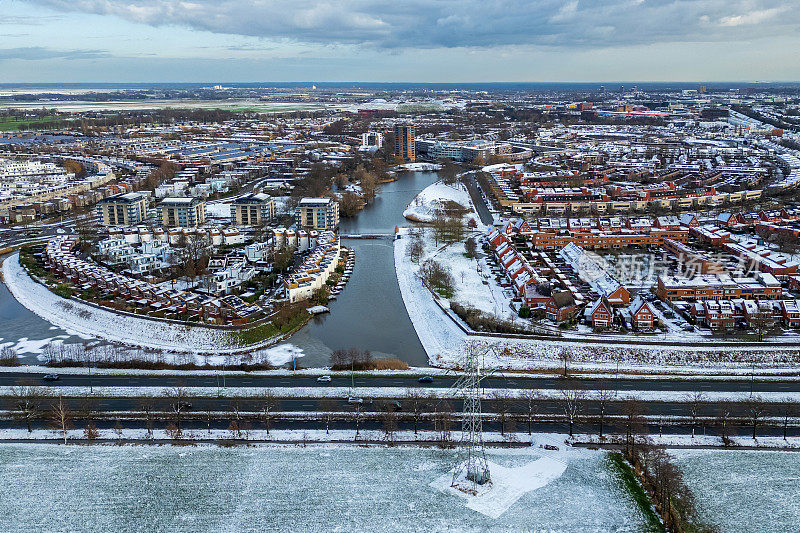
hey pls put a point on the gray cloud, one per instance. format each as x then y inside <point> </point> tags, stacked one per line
<point>34,53</point>
<point>462,23</point>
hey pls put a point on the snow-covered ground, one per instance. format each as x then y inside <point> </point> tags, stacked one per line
<point>432,199</point>
<point>48,487</point>
<point>743,490</point>
<point>440,336</point>
<point>80,319</point>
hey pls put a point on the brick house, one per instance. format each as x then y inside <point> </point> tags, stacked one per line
<point>599,314</point>
<point>561,306</point>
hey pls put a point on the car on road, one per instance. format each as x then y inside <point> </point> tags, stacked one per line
<point>50,377</point>
<point>426,379</point>
<point>183,406</point>
<point>324,379</point>
<point>355,400</point>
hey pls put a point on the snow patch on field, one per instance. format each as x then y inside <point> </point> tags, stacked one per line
<point>507,485</point>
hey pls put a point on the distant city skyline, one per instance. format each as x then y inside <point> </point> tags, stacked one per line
<point>408,41</point>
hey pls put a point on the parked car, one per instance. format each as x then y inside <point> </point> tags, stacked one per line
<point>426,379</point>
<point>50,377</point>
<point>324,379</point>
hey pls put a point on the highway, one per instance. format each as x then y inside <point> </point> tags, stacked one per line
<point>741,385</point>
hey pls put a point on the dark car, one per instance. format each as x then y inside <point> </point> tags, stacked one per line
<point>426,379</point>
<point>183,406</point>
<point>50,377</point>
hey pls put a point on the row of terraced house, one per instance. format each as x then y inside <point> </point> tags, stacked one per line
<point>146,297</point>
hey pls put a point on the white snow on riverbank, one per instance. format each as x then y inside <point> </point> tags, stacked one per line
<point>81,319</point>
<point>439,336</point>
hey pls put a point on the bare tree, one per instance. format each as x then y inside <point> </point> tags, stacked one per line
<point>90,432</point>
<point>789,411</point>
<point>571,400</point>
<point>416,403</point>
<point>602,397</point>
<point>269,404</point>
<point>177,398</point>
<point>328,406</point>
<point>61,417</point>
<point>696,400</point>
<point>442,423</point>
<point>234,430</point>
<point>146,406</point>
<point>755,412</point>
<point>634,421</point>
<point>26,402</point>
<point>531,398</point>
<point>415,249</point>
<point>565,356</point>
<point>389,421</point>
<point>723,422</point>
<point>502,405</point>
<point>88,410</point>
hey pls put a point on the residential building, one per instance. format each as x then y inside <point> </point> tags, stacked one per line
<point>253,209</point>
<point>317,213</point>
<point>404,142</point>
<point>372,139</point>
<point>718,287</point>
<point>122,209</point>
<point>561,306</point>
<point>639,315</point>
<point>599,314</point>
<point>182,212</point>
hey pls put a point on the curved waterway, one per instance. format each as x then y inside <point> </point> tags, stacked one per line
<point>369,313</point>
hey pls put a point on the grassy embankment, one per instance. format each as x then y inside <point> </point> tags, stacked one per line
<point>628,480</point>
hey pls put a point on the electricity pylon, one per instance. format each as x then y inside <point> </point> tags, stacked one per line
<point>467,387</point>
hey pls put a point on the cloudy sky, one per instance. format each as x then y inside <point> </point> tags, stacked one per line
<point>398,40</point>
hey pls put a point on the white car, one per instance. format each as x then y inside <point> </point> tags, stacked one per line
<point>324,379</point>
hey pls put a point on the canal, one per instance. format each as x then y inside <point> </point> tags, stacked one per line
<point>369,313</point>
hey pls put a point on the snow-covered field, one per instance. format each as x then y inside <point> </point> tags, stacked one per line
<point>87,321</point>
<point>315,488</point>
<point>744,491</point>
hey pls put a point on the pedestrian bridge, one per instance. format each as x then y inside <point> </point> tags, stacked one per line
<point>367,236</point>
